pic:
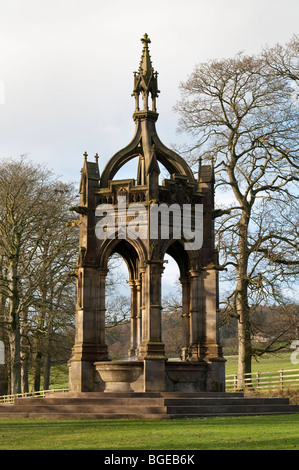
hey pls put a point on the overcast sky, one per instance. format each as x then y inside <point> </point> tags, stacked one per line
<point>66,67</point>
<point>66,73</point>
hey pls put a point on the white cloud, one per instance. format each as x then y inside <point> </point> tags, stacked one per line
<point>68,66</point>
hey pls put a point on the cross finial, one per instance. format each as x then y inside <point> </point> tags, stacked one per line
<point>146,40</point>
<point>96,157</point>
<point>145,67</point>
<point>85,155</point>
<point>145,80</point>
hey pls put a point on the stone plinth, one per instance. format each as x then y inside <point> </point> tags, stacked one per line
<point>185,376</point>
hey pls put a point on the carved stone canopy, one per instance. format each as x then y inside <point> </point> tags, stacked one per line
<point>146,144</point>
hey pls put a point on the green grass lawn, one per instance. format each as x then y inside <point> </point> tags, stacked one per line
<point>265,363</point>
<point>228,433</point>
<point>240,433</point>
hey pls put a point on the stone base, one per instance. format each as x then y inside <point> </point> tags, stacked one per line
<point>215,375</point>
<point>154,375</point>
<point>186,377</point>
<point>150,375</point>
<point>83,378</point>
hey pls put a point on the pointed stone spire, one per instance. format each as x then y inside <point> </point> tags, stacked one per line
<point>146,68</point>
<point>145,80</point>
<point>146,143</point>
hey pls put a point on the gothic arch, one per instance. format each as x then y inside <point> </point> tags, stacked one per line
<point>175,249</point>
<point>132,252</point>
<point>144,139</point>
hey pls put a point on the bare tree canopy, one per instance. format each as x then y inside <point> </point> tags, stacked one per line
<point>37,251</point>
<point>242,114</point>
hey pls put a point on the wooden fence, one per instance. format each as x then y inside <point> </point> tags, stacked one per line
<point>280,379</point>
<point>41,393</point>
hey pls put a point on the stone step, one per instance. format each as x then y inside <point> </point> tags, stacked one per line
<point>145,406</point>
<point>146,410</point>
<point>117,409</point>
<point>70,408</point>
<point>225,401</point>
<point>159,401</point>
<point>90,401</point>
<point>134,395</point>
<point>216,409</point>
<point>76,415</point>
<point>127,415</point>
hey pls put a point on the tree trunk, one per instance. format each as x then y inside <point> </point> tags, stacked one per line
<point>48,350</point>
<point>24,351</point>
<point>241,304</point>
<point>37,370</point>
<point>47,369</point>
<point>14,334</point>
<point>39,346</point>
<point>15,362</point>
<point>24,375</point>
<point>244,346</point>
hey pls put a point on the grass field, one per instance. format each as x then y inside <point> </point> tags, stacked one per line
<point>241,433</point>
<point>264,364</point>
<point>228,433</point>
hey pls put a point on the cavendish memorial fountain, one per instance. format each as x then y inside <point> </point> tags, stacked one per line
<point>108,214</point>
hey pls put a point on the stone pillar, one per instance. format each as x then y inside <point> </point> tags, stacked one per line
<point>196,318</point>
<point>101,311</point>
<point>185,282</point>
<point>212,335</point>
<point>213,356</point>
<point>152,334</point>
<point>144,312</point>
<point>133,318</point>
<point>138,283</point>
<point>211,306</point>
<point>89,344</point>
<point>152,348</point>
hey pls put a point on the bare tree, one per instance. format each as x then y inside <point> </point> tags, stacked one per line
<point>283,60</point>
<point>29,210</point>
<point>54,299</point>
<point>243,118</point>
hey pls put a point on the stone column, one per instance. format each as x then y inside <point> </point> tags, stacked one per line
<point>138,283</point>
<point>212,336</point>
<point>196,318</point>
<point>185,282</point>
<point>215,375</point>
<point>101,311</point>
<point>152,348</point>
<point>133,318</point>
<point>89,344</point>
<point>152,324</point>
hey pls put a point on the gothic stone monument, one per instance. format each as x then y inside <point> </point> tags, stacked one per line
<point>201,368</point>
